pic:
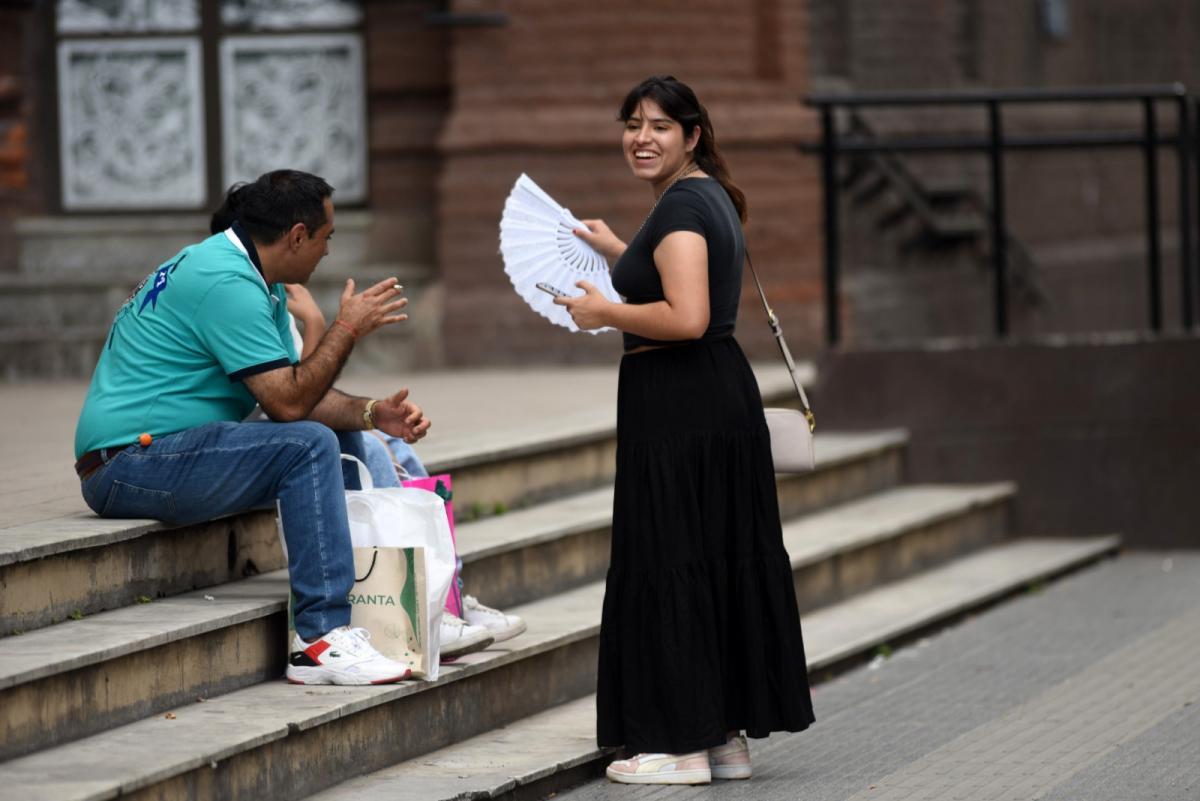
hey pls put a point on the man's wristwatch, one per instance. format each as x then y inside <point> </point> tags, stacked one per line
<point>369,415</point>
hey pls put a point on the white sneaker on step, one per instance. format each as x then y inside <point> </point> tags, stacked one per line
<point>343,656</point>
<point>502,627</point>
<point>458,637</point>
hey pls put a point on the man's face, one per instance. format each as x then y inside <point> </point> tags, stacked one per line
<point>309,250</point>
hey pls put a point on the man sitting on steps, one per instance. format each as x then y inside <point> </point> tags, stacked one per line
<point>202,339</point>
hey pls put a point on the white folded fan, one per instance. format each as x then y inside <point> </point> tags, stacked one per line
<point>538,245</point>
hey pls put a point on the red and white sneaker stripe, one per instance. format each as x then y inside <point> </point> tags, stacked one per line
<point>342,656</point>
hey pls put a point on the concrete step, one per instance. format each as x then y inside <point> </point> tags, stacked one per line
<point>848,549</point>
<point>533,757</point>
<point>81,677</point>
<point>869,188</point>
<point>39,303</point>
<point>557,748</point>
<point>510,468</point>
<point>889,614</point>
<point>80,564</point>
<point>947,190</point>
<point>106,671</point>
<point>41,353</point>
<point>513,558</point>
<point>275,740</point>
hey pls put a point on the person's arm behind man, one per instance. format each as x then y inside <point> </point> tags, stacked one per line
<point>304,391</point>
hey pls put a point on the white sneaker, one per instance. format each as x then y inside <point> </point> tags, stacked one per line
<point>661,769</point>
<point>732,760</point>
<point>502,627</point>
<point>343,656</point>
<point>459,637</point>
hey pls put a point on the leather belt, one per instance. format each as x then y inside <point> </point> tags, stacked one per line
<point>92,460</point>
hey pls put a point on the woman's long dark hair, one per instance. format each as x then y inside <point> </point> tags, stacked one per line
<point>681,104</point>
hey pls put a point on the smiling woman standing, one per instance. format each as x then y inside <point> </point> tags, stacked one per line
<point>700,637</point>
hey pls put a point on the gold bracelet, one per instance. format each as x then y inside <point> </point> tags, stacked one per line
<point>369,415</point>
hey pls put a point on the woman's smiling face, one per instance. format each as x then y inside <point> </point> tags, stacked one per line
<point>654,144</point>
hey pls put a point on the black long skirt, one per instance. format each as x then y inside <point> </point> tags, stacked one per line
<point>700,634</point>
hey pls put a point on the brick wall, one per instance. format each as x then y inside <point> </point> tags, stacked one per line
<point>408,97</point>
<point>15,115</point>
<point>1081,213</point>
<point>456,114</point>
<point>14,135</point>
<point>541,96</point>
<point>1097,434</point>
<point>900,45</point>
<point>879,44</point>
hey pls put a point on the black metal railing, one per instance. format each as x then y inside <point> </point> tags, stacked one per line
<point>994,144</point>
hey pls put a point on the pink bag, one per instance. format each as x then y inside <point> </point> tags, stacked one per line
<point>441,486</point>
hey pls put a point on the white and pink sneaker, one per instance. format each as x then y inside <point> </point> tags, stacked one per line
<point>732,760</point>
<point>662,769</point>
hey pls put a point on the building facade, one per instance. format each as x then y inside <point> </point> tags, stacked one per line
<point>123,121</point>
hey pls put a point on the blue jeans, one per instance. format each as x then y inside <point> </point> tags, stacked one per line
<point>381,453</point>
<point>403,453</point>
<point>225,468</point>
<point>379,461</point>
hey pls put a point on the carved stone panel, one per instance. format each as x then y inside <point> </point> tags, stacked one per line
<point>131,123</point>
<point>290,14</point>
<point>295,102</point>
<point>127,16</point>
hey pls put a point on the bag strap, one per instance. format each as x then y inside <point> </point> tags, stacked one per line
<point>364,473</point>
<point>371,569</point>
<point>773,321</point>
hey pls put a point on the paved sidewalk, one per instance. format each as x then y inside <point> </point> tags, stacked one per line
<point>1086,691</point>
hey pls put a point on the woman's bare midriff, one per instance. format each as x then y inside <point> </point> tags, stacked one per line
<point>644,348</point>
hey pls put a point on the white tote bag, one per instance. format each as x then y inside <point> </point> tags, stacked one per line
<point>401,517</point>
<point>389,600</point>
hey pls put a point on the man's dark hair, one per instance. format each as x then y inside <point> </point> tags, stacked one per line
<point>270,205</point>
<point>225,215</point>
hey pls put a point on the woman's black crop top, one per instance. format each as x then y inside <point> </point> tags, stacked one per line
<point>699,205</point>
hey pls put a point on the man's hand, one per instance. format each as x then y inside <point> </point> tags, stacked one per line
<point>587,310</point>
<point>401,417</point>
<point>372,308</point>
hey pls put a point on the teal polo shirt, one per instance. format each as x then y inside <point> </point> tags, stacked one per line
<point>182,343</point>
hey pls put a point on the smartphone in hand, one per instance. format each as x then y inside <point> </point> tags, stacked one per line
<point>551,290</point>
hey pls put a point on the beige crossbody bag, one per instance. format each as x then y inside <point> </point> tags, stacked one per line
<point>791,429</point>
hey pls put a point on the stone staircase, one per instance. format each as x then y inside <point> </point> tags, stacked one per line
<point>917,248</point>
<point>150,659</point>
